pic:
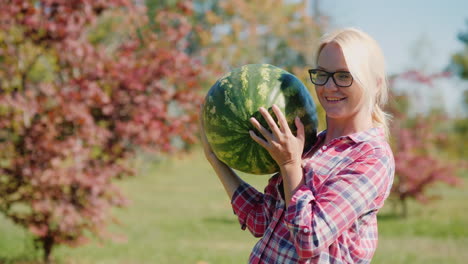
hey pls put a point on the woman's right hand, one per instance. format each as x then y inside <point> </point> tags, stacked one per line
<point>209,154</point>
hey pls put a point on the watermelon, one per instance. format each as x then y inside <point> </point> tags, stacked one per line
<point>236,97</point>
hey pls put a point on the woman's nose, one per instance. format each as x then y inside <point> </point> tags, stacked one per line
<point>330,84</point>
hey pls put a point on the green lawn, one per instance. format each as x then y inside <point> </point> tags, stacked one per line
<point>180,214</point>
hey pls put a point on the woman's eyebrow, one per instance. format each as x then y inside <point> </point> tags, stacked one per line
<point>338,70</point>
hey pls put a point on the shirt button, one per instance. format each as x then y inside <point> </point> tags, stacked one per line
<point>306,230</point>
<point>324,148</point>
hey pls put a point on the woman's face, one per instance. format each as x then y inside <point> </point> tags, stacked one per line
<point>339,103</point>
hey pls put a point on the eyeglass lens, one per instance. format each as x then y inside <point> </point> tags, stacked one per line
<point>341,78</point>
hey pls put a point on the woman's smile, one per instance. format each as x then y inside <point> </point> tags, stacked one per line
<point>334,99</point>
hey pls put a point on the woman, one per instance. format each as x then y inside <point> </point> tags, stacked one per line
<point>322,205</point>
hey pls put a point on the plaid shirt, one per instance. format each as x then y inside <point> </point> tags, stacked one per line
<point>332,218</point>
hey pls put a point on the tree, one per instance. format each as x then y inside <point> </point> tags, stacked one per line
<point>228,34</point>
<point>459,66</point>
<point>73,112</point>
<point>418,143</point>
<point>281,33</point>
<point>460,59</point>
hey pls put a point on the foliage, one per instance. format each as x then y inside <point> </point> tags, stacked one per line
<point>232,33</point>
<point>229,34</point>
<point>73,112</point>
<point>419,143</point>
<point>280,33</point>
<point>460,63</point>
<point>460,59</point>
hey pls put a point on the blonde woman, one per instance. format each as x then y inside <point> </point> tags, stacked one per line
<point>322,206</point>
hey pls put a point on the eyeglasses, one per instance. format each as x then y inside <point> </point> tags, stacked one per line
<point>340,78</point>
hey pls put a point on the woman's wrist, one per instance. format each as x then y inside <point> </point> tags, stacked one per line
<point>291,167</point>
<point>292,178</point>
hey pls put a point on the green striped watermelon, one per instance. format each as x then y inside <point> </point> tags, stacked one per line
<point>236,97</point>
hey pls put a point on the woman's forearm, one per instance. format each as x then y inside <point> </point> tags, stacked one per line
<point>292,178</point>
<point>230,180</point>
<point>226,175</point>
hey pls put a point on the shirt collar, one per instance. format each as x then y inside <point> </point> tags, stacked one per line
<point>369,134</point>
<point>361,136</point>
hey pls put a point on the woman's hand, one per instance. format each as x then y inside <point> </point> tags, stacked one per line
<point>209,154</point>
<point>284,147</point>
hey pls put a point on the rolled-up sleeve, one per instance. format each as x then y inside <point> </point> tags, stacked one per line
<point>316,220</point>
<point>253,208</point>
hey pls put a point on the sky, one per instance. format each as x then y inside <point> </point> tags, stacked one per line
<point>427,29</point>
<point>413,34</point>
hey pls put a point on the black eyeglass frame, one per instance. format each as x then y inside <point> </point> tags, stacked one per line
<point>330,74</point>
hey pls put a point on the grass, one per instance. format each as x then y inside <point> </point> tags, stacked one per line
<point>180,214</point>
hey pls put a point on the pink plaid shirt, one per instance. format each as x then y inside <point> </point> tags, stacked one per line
<point>332,218</point>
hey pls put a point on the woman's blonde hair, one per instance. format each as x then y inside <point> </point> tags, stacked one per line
<point>366,63</point>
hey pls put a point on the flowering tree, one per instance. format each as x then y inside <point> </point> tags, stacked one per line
<point>418,143</point>
<point>460,59</point>
<point>459,64</point>
<point>73,112</point>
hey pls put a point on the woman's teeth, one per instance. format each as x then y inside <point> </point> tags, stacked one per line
<point>334,99</point>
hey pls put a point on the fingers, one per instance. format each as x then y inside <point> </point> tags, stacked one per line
<point>300,129</point>
<point>258,139</point>
<point>278,134</point>
<point>281,119</point>
<point>204,140</point>
<point>266,134</point>
<point>270,121</point>
<point>200,121</point>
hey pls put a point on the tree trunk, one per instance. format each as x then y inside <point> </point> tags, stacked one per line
<point>47,246</point>
<point>404,207</point>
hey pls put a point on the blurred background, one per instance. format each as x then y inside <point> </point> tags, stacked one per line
<point>99,153</point>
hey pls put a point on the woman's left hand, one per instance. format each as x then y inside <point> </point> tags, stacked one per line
<point>284,147</point>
